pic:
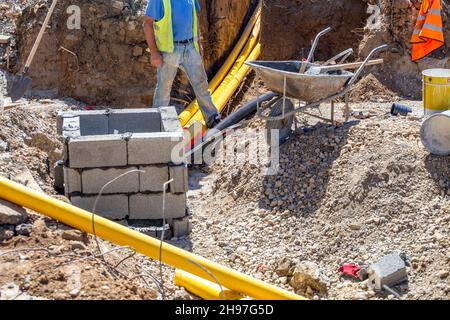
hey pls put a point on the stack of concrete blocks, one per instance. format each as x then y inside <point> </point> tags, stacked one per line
<point>100,146</point>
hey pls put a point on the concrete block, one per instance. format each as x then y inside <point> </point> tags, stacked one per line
<point>134,121</point>
<point>72,181</point>
<point>98,151</point>
<point>182,227</point>
<point>71,127</point>
<point>153,148</point>
<point>149,206</point>
<point>179,174</point>
<point>153,178</point>
<point>113,207</point>
<point>169,120</point>
<point>58,176</point>
<point>95,179</point>
<point>93,124</point>
<point>390,271</point>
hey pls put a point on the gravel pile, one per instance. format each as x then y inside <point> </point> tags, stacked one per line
<point>351,193</point>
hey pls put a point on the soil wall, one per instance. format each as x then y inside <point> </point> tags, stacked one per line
<point>105,61</point>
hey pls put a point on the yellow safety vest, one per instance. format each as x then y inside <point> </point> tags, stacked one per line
<point>164,30</point>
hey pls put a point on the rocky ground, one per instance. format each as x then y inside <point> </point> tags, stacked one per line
<point>348,193</point>
<point>345,194</point>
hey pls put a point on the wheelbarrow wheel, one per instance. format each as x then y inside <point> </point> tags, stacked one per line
<point>283,125</point>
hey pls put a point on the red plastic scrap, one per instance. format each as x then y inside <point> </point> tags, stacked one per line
<point>350,269</point>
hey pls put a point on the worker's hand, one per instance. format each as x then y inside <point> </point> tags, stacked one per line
<point>157,59</point>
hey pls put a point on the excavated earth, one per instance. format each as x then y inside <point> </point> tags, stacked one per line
<point>348,193</point>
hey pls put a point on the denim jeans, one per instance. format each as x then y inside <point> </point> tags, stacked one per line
<point>186,57</point>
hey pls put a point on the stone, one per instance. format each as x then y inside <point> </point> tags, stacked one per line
<point>442,274</point>
<point>308,274</point>
<point>77,245</point>
<point>285,268</point>
<point>114,207</point>
<point>6,232</point>
<point>26,178</point>
<point>11,213</point>
<point>179,174</point>
<point>24,229</point>
<point>73,235</point>
<point>92,151</point>
<point>153,178</point>
<point>138,51</point>
<point>117,6</point>
<point>93,181</point>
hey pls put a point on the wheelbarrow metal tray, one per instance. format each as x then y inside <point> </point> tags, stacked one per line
<point>305,87</point>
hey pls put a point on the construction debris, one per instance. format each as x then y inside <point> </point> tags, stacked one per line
<point>351,191</point>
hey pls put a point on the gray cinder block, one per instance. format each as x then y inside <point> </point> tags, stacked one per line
<point>134,121</point>
<point>182,227</point>
<point>149,206</point>
<point>94,123</point>
<point>98,151</point>
<point>153,148</point>
<point>71,127</point>
<point>58,175</point>
<point>114,207</point>
<point>95,179</point>
<point>153,178</point>
<point>169,120</point>
<point>72,180</point>
<point>390,271</point>
<point>179,174</point>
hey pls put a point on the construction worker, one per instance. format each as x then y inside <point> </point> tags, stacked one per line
<point>172,33</point>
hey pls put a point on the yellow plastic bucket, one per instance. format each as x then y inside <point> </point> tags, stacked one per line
<point>436,90</point>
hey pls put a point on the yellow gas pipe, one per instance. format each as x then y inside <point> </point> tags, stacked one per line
<point>123,236</point>
<point>203,288</point>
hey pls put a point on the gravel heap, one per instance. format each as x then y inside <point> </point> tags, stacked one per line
<point>351,193</point>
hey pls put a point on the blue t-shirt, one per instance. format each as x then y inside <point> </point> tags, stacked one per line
<point>182,18</point>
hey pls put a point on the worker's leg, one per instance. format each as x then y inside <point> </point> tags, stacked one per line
<point>193,66</point>
<point>165,77</point>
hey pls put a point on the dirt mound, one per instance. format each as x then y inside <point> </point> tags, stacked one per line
<point>371,89</point>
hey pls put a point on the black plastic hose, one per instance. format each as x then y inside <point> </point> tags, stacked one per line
<point>244,111</point>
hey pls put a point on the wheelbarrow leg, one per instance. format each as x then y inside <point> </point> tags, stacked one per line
<point>332,112</point>
<point>347,107</point>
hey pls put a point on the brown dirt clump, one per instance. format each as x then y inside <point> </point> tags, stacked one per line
<point>371,89</point>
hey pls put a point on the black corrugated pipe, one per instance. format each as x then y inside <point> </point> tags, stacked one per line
<point>244,111</point>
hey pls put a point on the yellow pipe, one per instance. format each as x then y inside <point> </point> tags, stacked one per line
<point>203,288</point>
<point>229,86</point>
<point>123,236</point>
<point>193,107</point>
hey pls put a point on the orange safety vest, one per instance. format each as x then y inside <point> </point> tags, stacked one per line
<point>428,33</point>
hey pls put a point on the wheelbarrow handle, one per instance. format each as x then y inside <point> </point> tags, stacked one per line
<point>315,43</point>
<point>313,49</point>
<point>361,68</point>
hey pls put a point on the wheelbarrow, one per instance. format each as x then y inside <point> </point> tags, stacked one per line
<point>311,88</point>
